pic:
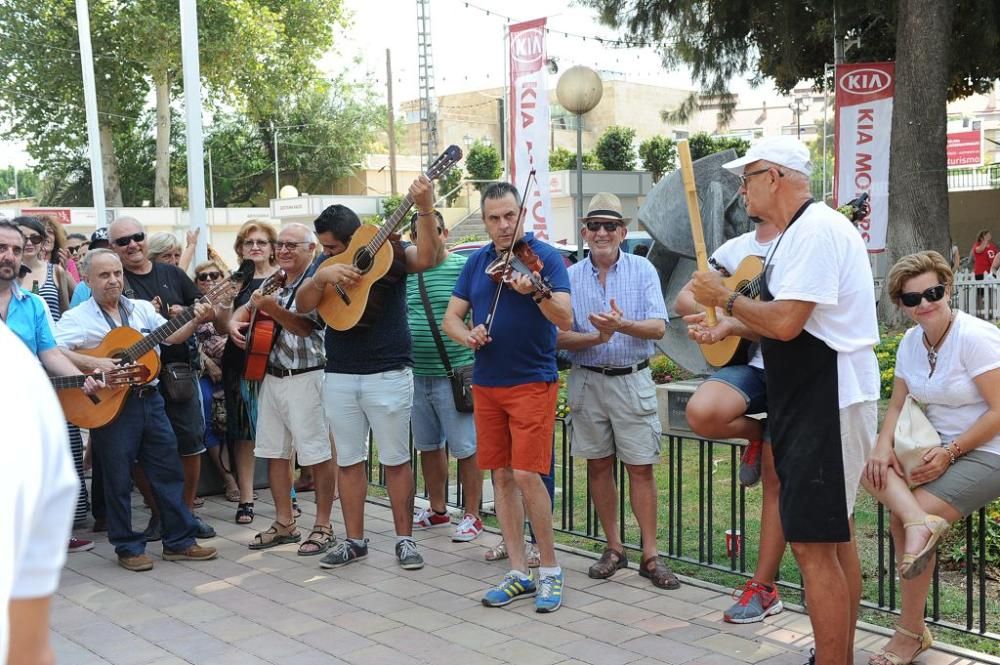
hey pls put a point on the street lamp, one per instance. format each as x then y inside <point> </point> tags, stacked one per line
<point>798,106</point>
<point>579,90</point>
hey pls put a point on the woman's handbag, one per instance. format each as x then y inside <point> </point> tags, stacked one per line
<point>914,437</point>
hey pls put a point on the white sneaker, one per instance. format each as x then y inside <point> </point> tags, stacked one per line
<point>427,518</point>
<point>468,529</point>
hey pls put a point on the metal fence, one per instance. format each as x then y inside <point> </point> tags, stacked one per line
<point>700,499</point>
<point>977,297</point>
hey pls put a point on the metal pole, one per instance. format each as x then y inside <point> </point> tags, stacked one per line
<point>17,190</point>
<point>392,122</point>
<point>579,186</point>
<point>277,182</point>
<point>211,182</point>
<point>90,103</point>
<point>826,106</point>
<point>195,144</point>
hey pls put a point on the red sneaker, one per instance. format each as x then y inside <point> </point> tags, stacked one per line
<point>755,604</point>
<point>427,518</point>
<point>750,464</point>
<point>80,545</point>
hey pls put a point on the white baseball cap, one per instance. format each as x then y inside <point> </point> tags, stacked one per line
<point>780,150</point>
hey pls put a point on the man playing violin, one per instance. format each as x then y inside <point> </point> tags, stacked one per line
<point>618,311</point>
<point>515,386</point>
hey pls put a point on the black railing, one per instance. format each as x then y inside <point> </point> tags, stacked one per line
<point>700,499</point>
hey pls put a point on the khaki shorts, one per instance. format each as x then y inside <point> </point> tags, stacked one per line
<point>614,415</point>
<point>290,416</point>
<point>970,483</point>
<point>858,430</point>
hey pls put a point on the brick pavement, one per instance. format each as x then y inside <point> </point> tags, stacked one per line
<point>252,608</point>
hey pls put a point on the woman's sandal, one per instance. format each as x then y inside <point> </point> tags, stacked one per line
<point>913,565</point>
<point>296,511</point>
<point>320,539</point>
<point>233,494</point>
<point>244,513</point>
<point>497,552</point>
<point>889,658</point>
<point>276,534</point>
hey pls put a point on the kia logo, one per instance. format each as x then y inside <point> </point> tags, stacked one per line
<point>528,47</point>
<point>865,81</point>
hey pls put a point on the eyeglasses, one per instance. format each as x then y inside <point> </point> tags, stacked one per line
<point>74,249</point>
<point>256,243</point>
<point>282,244</point>
<point>610,227</point>
<point>912,299</point>
<point>14,249</point>
<point>125,241</point>
<point>208,276</point>
<point>34,238</point>
<point>743,178</point>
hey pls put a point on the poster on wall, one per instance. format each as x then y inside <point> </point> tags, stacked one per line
<point>529,122</point>
<point>863,129</point>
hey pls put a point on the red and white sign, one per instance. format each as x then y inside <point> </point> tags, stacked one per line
<point>64,215</point>
<point>864,128</point>
<point>965,148</point>
<point>529,122</point>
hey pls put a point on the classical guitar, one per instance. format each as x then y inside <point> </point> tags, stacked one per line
<point>129,347</point>
<point>262,333</point>
<point>342,306</point>
<point>77,404</point>
<point>733,350</point>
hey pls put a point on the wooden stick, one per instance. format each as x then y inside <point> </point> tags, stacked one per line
<point>694,213</point>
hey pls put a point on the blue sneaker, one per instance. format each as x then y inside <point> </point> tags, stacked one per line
<point>549,597</point>
<point>513,587</point>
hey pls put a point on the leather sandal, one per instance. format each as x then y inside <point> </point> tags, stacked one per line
<point>244,513</point>
<point>611,561</point>
<point>913,565</point>
<point>319,541</point>
<point>276,534</point>
<point>884,657</point>
<point>660,575</point>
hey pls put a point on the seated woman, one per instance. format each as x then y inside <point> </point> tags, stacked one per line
<point>950,363</point>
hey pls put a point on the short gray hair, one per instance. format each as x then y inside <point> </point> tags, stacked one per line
<point>88,259</point>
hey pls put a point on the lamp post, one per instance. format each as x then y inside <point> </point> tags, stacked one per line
<point>798,106</point>
<point>579,91</point>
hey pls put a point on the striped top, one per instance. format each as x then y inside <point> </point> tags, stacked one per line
<point>439,282</point>
<point>291,351</point>
<point>49,291</point>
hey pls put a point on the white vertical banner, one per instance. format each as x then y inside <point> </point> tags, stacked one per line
<point>864,129</point>
<point>528,110</point>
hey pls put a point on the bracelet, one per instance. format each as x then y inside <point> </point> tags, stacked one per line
<point>731,301</point>
<point>951,455</point>
<point>425,214</point>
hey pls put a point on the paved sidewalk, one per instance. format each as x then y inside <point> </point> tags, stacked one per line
<point>251,608</point>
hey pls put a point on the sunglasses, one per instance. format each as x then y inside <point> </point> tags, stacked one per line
<point>912,299</point>
<point>74,249</point>
<point>610,227</point>
<point>125,241</point>
<point>35,239</point>
<point>208,276</point>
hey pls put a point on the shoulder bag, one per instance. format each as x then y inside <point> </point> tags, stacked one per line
<point>460,377</point>
<point>914,436</point>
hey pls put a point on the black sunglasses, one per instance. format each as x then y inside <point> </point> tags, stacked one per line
<point>34,239</point>
<point>206,276</point>
<point>125,241</point>
<point>610,227</point>
<point>913,299</point>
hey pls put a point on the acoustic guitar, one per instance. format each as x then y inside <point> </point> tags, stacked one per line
<point>263,331</point>
<point>129,347</point>
<point>69,389</point>
<point>341,307</point>
<point>734,349</point>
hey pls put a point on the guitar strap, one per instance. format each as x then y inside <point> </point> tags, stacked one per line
<point>121,312</point>
<point>429,312</point>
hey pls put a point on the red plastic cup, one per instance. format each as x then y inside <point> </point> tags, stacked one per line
<point>734,542</point>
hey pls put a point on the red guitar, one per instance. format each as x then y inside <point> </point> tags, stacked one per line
<point>262,332</point>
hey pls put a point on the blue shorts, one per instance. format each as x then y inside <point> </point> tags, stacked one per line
<point>434,419</point>
<point>748,381</point>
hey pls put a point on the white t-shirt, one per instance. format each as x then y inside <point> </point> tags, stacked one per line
<point>950,397</point>
<point>821,258</point>
<point>729,256</point>
<point>38,484</point>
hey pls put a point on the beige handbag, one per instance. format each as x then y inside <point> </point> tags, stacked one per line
<point>914,437</point>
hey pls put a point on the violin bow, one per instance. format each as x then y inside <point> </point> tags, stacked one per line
<point>518,232</point>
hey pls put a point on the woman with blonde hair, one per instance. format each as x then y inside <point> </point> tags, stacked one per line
<point>950,363</point>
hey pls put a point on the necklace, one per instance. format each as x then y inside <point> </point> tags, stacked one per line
<point>932,349</point>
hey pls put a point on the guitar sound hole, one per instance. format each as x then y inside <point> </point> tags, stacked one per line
<point>742,285</point>
<point>363,260</point>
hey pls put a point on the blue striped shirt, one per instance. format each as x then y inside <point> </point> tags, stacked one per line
<point>633,283</point>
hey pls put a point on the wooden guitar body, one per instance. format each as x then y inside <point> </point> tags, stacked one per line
<point>342,306</point>
<point>259,345</point>
<point>733,350</point>
<point>99,409</point>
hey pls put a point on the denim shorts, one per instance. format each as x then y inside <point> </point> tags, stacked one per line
<point>747,381</point>
<point>434,420</point>
<point>380,402</point>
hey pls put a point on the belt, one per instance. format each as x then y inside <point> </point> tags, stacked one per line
<point>285,373</point>
<point>618,371</point>
<point>142,392</point>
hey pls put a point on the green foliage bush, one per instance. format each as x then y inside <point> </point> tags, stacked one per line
<point>615,148</point>
<point>483,163</point>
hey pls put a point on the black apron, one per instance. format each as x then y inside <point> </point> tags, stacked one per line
<point>804,422</point>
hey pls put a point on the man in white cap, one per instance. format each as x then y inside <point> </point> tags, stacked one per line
<point>618,311</point>
<point>817,328</point>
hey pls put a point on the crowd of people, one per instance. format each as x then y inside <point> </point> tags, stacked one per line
<point>327,395</point>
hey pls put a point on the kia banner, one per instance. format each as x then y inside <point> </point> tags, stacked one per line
<point>863,129</point>
<point>529,122</point>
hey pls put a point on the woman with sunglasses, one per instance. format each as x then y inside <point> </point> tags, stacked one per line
<point>950,363</point>
<point>55,285</point>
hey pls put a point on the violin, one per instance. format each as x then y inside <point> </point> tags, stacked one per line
<point>523,261</point>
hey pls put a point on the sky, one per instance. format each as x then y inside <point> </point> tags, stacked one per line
<point>467,41</point>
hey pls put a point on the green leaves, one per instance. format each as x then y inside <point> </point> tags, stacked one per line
<point>615,149</point>
<point>659,155</point>
<point>483,163</point>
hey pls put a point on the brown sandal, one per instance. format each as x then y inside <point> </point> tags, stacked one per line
<point>320,539</point>
<point>660,575</point>
<point>276,534</point>
<point>611,561</point>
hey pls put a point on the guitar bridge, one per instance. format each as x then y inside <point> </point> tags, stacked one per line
<point>343,295</point>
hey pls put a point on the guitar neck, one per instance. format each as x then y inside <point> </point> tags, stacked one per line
<point>155,338</point>
<point>391,224</point>
<point>75,381</point>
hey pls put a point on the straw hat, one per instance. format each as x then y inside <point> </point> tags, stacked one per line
<point>607,206</point>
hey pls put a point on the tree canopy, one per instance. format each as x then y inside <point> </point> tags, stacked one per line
<point>616,148</point>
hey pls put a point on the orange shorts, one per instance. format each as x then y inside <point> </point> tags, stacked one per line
<point>514,426</point>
